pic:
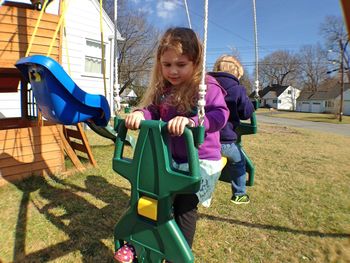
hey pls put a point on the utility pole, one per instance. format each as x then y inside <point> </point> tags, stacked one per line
<point>341,84</point>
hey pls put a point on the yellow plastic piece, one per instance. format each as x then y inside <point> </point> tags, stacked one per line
<point>35,76</point>
<point>147,207</point>
<point>224,162</point>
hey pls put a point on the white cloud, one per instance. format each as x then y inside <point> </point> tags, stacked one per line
<point>167,8</point>
<point>146,9</point>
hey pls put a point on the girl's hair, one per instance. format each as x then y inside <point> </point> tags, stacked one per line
<point>183,41</point>
<point>229,64</point>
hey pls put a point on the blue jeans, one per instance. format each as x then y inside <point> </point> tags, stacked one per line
<point>236,167</point>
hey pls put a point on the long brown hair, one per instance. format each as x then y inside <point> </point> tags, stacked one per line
<point>183,41</point>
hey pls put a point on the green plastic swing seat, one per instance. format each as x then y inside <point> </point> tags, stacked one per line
<point>243,129</point>
<point>148,223</point>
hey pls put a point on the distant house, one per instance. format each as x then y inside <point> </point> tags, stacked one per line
<point>278,97</point>
<point>324,100</point>
<point>128,95</point>
<point>346,108</point>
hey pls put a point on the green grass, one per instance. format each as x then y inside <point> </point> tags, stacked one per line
<point>299,210</point>
<point>305,116</point>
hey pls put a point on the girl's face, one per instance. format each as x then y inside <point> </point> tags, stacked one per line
<point>177,69</point>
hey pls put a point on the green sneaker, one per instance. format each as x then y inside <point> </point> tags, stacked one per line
<point>242,199</point>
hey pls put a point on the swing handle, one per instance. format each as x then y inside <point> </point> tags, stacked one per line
<point>159,128</point>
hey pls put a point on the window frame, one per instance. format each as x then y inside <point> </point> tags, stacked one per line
<point>86,54</point>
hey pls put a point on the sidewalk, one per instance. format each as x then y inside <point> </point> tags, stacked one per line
<point>341,129</point>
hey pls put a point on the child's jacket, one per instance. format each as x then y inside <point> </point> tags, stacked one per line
<point>240,106</point>
<point>216,115</point>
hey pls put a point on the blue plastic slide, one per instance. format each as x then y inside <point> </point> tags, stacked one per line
<point>59,99</point>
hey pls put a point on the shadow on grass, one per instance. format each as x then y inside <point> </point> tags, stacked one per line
<point>275,228</point>
<point>85,224</point>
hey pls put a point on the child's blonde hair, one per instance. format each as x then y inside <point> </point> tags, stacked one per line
<point>229,64</point>
<point>183,41</point>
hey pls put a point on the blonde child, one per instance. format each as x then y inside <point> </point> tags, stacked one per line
<point>227,71</point>
<point>172,97</point>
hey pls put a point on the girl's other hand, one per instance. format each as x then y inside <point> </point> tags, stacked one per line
<point>133,120</point>
<point>176,126</point>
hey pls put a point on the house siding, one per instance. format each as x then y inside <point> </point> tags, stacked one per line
<point>286,100</point>
<point>10,106</point>
<point>325,100</point>
<point>83,23</point>
<point>346,102</point>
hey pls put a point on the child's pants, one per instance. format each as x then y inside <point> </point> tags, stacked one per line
<point>185,213</point>
<point>236,167</point>
<point>186,205</point>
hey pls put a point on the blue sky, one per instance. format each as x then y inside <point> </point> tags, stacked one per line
<point>282,24</point>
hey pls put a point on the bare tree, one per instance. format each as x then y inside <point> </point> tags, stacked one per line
<point>280,67</point>
<point>337,39</point>
<point>135,52</point>
<point>246,82</point>
<point>313,66</point>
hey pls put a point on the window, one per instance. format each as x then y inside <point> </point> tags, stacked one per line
<point>93,54</point>
<point>329,103</point>
<point>274,101</point>
<point>289,92</point>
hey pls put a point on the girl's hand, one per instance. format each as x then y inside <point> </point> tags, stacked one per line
<point>176,126</point>
<point>133,120</point>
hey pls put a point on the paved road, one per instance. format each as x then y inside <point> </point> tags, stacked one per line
<point>342,129</point>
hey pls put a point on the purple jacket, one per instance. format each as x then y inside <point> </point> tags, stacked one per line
<point>240,106</point>
<point>216,115</point>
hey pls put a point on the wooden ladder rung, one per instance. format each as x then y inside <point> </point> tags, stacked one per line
<point>79,147</point>
<point>70,152</point>
<point>73,133</point>
<point>84,146</point>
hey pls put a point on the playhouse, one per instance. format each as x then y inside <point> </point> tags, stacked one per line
<point>26,147</point>
<point>28,144</point>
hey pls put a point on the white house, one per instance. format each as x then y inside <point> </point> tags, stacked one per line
<point>81,51</point>
<point>83,38</point>
<point>279,97</point>
<point>128,94</point>
<point>346,100</point>
<point>346,105</point>
<point>325,100</point>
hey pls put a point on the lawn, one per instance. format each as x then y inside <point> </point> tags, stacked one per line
<point>305,116</point>
<point>299,210</point>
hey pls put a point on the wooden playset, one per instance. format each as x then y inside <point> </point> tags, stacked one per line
<point>29,146</point>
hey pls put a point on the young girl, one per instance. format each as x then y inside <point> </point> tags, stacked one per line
<point>227,71</point>
<point>172,97</point>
